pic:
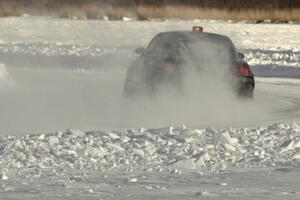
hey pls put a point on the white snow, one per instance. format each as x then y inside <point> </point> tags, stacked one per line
<point>167,163</point>
<point>154,149</point>
<point>53,43</point>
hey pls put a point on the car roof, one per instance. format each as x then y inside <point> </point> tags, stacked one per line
<point>200,35</point>
<point>191,37</point>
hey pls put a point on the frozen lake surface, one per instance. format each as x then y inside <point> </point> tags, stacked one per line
<point>67,132</point>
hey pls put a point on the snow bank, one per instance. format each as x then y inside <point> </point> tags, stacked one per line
<point>166,149</point>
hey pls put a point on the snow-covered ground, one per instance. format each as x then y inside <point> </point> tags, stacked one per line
<point>57,74</point>
<point>61,43</point>
<point>161,163</point>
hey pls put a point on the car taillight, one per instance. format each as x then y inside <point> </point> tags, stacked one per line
<point>168,67</point>
<point>245,71</point>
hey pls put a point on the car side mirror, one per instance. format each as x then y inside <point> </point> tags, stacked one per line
<point>241,55</point>
<point>140,50</point>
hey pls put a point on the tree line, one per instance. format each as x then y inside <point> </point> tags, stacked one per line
<point>220,4</point>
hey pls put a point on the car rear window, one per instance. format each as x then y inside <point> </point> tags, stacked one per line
<point>196,46</point>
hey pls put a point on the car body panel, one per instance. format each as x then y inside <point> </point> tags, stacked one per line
<point>169,54</point>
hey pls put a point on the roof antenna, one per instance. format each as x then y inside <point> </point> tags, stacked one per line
<point>197,29</point>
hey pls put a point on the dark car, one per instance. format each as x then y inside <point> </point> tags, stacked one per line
<point>171,55</point>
